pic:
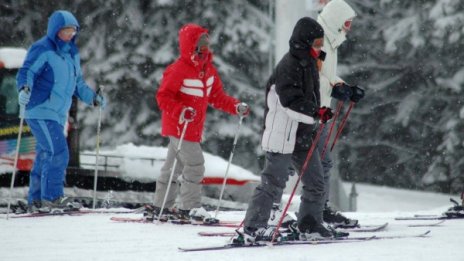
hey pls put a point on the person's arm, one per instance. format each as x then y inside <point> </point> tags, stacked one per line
<point>289,89</point>
<point>33,64</point>
<point>220,100</point>
<point>83,91</point>
<point>167,92</point>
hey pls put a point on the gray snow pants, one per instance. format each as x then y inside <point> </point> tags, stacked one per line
<point>326,163</point>
<point>189,172</point>
<point>273,179</point>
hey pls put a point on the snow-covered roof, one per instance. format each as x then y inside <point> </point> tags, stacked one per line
<point>12,58</point>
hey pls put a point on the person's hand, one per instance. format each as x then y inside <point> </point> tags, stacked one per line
<point>242,109</point>
<point>24,96</point>
<point>341,91</point>
<point>188,114</point>
<point>99,100</point>
<point>325,114</point>
<point>358,93</point>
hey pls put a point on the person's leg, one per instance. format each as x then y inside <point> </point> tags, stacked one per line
<point>54,167</point>
<point>312,198</point>
<point>36,172</point>
<point>191,156</point>
<point>47,176</point>
<point>326,161</point>
<point>273,179</point>
<point>163,179</point>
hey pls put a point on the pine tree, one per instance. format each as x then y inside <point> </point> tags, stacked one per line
<point>407,130</point>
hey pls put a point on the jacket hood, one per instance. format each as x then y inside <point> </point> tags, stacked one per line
<point>305,32</point>
<point>332,18</point>
<point>189,35</point>
<point>58,20</point>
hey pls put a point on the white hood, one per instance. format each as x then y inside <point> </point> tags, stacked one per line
<point>332,18</point>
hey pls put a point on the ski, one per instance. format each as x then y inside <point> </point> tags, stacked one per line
<point>176,222</point>
<point>39,214</point>
<point>423,218</point>
<point>430,217</point>
<point>434,224</point>
<point>75,213</point>
<point>216,234</point>
<point>367,228</point>
<point>264,244</point>
<point>311,242</point>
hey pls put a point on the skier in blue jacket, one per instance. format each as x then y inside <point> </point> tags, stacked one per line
<point>50,76</point>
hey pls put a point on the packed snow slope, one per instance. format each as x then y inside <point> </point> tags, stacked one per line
<point>95,237</point>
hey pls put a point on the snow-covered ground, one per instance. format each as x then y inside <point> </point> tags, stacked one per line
<point>95,237</point>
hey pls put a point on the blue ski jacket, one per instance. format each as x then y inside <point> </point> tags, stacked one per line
<point>52,71</point>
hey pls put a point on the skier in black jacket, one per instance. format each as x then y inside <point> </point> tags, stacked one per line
<point>292,111</point>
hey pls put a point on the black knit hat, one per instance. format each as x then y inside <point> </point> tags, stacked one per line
<point>304,33</point>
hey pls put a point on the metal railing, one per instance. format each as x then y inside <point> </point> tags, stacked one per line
<point>106,165</point>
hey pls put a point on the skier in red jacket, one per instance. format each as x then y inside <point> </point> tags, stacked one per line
<point>187,87</point>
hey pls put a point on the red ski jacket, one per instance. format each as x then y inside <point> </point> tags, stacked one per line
<point>186,84</point>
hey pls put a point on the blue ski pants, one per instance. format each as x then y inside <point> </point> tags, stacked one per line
<point>46,181</point>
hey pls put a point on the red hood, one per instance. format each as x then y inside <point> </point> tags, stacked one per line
<point>189,35</point>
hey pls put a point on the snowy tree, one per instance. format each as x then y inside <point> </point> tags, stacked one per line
<point>408,130</point>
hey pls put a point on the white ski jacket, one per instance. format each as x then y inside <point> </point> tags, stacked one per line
<point>281,125</point>
<point>332,18</point>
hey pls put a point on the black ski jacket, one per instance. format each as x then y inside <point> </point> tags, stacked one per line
<point>292,93</point>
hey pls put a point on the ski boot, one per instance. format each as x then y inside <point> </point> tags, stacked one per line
<point>24,207</point>
<point>336,219</point>
<point>182,216</point>
<point>200,215</point>
<point>59,205</point>
<point>251,236</point>
<point>151,213</point>
<point>276,215</point>
<point>312,229</point>
<point>457,211</point>
<point>321,231</point>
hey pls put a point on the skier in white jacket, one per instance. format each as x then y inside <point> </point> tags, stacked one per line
<point>336,18</point>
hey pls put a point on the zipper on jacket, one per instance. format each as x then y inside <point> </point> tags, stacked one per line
<point>290,132</point>
<point>315,100</point>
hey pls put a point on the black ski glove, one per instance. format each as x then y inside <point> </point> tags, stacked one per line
<point>358,93</point>
<point>341,91</point>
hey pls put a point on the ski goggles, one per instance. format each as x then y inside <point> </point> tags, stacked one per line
<point>203,44</point>
<point>69,31</point>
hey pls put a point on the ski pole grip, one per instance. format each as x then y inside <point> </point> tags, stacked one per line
<point>22,108</point>
<point>100,89</point>
<point>97,93</point>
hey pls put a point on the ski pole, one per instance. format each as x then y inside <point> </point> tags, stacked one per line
<point>342,125</point>
<point>334,119</point>
<point>97,150</point>
<point>22,110</point>
<point>228,166</point>
<point>184,129</point>
<point>302,171</point>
